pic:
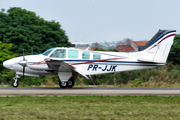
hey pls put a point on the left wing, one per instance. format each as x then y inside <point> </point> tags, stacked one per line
<point>58,65</point>
<point>62,66</point>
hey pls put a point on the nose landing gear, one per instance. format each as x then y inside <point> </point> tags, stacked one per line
<point>15,83</point>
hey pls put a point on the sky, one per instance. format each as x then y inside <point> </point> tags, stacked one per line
<point>105,20</point>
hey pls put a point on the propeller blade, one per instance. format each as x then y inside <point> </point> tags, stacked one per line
<point>23,71</point>
<point>24,65</point>
<point>23,55</point>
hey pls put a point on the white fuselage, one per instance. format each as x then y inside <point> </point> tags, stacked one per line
<point>95,62</point>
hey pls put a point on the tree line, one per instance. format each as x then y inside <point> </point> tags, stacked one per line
<point>25,30</point>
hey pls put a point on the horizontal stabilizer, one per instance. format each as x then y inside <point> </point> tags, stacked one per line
<point>147,60</point>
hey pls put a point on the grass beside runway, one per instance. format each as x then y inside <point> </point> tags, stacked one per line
<point>90,107</point>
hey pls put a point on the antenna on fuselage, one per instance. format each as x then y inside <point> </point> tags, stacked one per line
<point>88,47</point>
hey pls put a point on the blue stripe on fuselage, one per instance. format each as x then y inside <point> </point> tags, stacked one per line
<point>84,61</point>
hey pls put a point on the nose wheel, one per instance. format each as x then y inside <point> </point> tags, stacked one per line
<point>15,83</point>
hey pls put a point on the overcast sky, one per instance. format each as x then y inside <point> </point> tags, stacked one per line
<point>105,20</point>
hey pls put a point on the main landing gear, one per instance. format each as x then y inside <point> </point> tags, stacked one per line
<point>15,83</point>
<point>68,84</point>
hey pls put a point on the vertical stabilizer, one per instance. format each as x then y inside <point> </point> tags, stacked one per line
<point>158,48</point>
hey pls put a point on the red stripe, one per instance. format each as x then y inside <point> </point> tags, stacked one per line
<point>166,37</point>
<point>97,61</point>
<point>38,63</point>
<point>162,40</point>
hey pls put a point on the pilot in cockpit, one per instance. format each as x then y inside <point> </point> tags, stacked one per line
<point>58,54</point>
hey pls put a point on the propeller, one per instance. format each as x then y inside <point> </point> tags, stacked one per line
<point>23,63</point>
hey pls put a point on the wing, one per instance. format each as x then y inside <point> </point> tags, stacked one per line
<point>62,66</point>
<point>58,65</point>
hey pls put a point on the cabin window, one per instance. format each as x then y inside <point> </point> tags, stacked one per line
<point>85,55</point>
<point>96,56</point>
<point>72,54</point>
<point>59,53</point>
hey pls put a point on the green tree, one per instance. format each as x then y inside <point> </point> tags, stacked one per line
<point>174,55</point>
<point>113,50</point>
<point>99,49</point>
<point>5,53</point>
<point>27,31</point>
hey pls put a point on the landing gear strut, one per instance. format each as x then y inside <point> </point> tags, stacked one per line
<point>15,83</point>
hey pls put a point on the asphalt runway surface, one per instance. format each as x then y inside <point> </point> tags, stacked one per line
<point>55,91</point>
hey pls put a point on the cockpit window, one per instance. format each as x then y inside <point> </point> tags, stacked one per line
<point>59,53</point>
<point>46,53</point>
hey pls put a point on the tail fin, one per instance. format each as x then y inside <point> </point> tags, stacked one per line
<point>158,48</point>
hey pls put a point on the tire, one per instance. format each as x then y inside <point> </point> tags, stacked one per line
<point>61,85</point>
<point>70,83</point>
<point>15,85</point>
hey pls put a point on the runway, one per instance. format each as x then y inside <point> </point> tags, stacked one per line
<point>50,91</point>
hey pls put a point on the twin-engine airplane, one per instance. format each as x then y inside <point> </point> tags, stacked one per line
<point>67,63</point>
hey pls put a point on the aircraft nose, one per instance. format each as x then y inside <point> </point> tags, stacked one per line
<point>7,64</point>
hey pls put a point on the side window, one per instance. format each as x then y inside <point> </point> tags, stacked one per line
<point>59,53</point>
<point>72,54</point>
<point>96,56</point>
<point>85,55</point>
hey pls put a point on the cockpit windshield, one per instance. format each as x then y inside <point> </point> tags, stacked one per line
<point>46,53</point>
<point>59,53</point>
